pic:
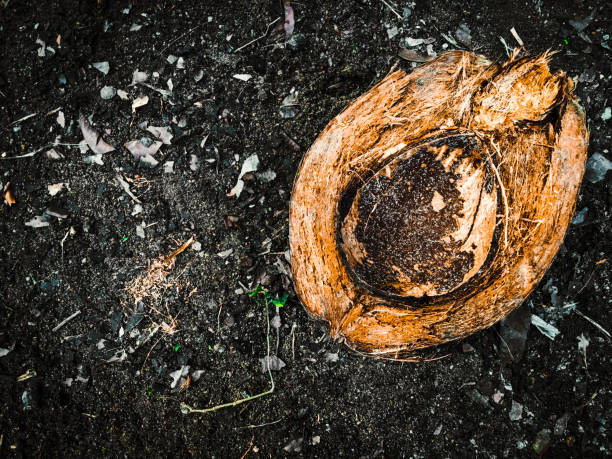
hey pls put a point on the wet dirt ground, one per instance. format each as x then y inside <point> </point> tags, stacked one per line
<point>144,336</point>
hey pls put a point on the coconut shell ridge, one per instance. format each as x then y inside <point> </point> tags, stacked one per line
<point>435,202</point>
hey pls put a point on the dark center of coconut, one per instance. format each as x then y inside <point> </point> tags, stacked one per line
<point>422,225</point>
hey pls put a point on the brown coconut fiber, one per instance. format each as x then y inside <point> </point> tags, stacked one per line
<point>433,205</point>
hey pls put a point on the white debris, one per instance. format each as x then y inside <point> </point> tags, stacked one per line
<point>169,167</point>
<point>197,246</point>
<point>194,163</point>
<point>37,222</point>
<point>140,230</point>
<point>180,63</point>
<point>331,357</point>
<point>267,176</point>
<point>583,343</point>
<point>271,362</point>
<point>139,77</point>
<point>197,374</point>
<point>139,102</point>
<point>242,76</point>
<point>52,154</point>
<point>198,76</point>
<point>516,412</point>
<point>41,50</point>
<point>61,120</point>
<point>119,356</point>
<point>103,67</point>
<point>548,330</point>
<point>225,253</point>
<point>149,161</point>
<point>93,139</point>
<point>137,209</point>
<point>412,42</point>
<point>94,159</point>
<point>122,94</point>
<point>139,150</point>
<point>163,133</point>
<point>56,188</point>
<point>607,114</point>
<point>596,167</point>
<point>135,27</point>
<point>251,164</point>
<point>170,84</point>
<point>171,59</point>
<point>392,32</point>
<point>176,375</point>
<point>107,92</point>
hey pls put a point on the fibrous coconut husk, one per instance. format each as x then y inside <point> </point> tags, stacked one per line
<point>433,205</point>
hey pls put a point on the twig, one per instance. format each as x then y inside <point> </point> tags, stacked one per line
<point>179,250</point>
<point>258,38</point>
<point>508,49</point>
<point>516,36</point>
<point>249,448</point>
<point>603,330</point>
<point>219,315</point>
<point>66,320</point>
<point>177,39</point>
<point>252,426</point>
<point>126,188</point>
<point>186,409</point>
<point>503,191</point>
<point>391,8</point>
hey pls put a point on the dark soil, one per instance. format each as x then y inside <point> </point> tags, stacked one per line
<point>328,401</point>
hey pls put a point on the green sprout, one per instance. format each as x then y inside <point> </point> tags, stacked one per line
<point>268,300</point>
<point>177,347</point>
<point>124,238</point>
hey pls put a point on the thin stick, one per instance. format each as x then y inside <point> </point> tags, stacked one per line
<point>391,8</point>
<point>516,36</point>
<point>177,39</point>
<point>251,426</point>
<point>603,330</point>
<point>179,250</point>
<point>186,409</point>
<point>66,320</point>
<point>258,38</point>
<point>503,190</point>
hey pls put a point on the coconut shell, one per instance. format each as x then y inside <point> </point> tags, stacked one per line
<point>433,205</point>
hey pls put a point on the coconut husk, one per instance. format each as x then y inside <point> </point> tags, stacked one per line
<point>433,205</point>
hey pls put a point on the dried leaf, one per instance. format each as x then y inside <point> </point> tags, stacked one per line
<point>545,328</point>
<point>103,67</point>
<point>8,195</point>
<point>289,21</point>
<point>163,133</point>
<point>139,77</point>
<point>138,149</point>
<point>93,139</point>
<point>251,164</point>
<point>412,55</point>
<point>37,222</point>
<point>242,76</point>
<point>139,102</point>
<point>272,362</point>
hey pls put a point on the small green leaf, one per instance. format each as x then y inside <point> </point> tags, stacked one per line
<point>280,302</point>
<point>256,291</point>
<point>177,347</point>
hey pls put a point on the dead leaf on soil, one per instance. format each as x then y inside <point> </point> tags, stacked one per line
<point>138,149</point>
<point>93,139</point>
<point>412,55</point>
<point>8,194</point>
<point>139,102</point>
<point>289,20</point>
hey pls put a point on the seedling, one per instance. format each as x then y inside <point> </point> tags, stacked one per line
<point>267,301</point>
